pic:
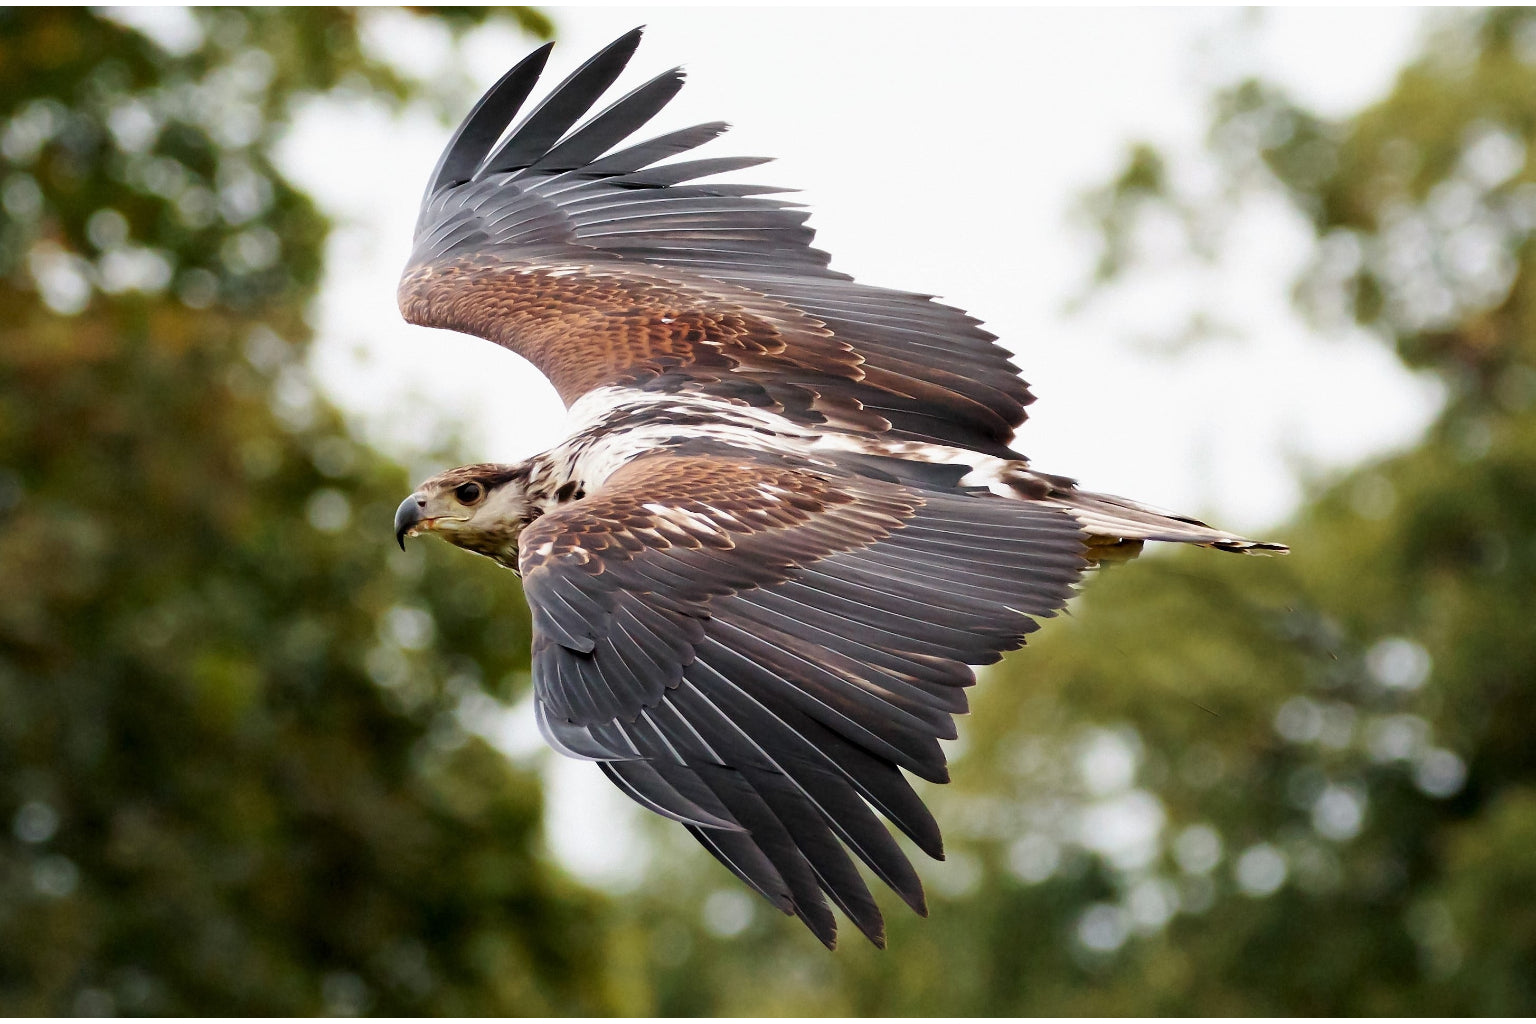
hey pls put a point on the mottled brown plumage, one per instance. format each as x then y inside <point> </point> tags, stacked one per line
<point>788,518</point>
<point>594,323</point>
<point>664,501</point>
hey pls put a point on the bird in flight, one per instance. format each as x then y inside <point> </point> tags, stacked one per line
<point>788,518</point>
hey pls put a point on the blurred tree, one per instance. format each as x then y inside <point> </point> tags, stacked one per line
<point>232,774</point>
<point>1293,786</point>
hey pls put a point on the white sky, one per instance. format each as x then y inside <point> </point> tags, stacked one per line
<point>939,151</point>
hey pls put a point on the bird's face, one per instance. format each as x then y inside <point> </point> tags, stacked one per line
<point>481,508</point>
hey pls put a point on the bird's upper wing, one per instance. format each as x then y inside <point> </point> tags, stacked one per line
<point>605,266</point>
<point>756,648</point>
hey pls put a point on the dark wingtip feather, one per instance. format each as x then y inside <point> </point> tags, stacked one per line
<point>826,933</point>
<point>643,154</point>
<point>688,170</point>
<point>872,929</point>
<point>616,123</point>
<point>485,122</point>
<point>569,100</point>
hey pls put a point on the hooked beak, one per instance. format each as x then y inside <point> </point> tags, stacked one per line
<point>409,516</point>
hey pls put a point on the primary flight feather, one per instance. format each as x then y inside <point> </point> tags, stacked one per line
<point>788,517</point>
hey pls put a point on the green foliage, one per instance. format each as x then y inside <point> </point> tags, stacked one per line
<point>231,766</point>
<point>1113,208</point>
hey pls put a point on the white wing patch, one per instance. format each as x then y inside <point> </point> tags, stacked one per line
<point>684,517</point>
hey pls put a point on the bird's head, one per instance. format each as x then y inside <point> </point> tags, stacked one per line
<point>481,508</point>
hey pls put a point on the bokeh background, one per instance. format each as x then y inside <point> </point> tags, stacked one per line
<point>1275,268</point>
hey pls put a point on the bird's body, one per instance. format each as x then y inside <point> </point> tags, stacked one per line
<point>609,427</point>
<point>787,518</point>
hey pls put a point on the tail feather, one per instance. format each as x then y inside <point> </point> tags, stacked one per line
<point>1116,527</point>
<point>1114,522</point>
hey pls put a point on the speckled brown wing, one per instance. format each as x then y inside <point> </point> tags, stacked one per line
<point>608,266</point>
<point>757,649</point>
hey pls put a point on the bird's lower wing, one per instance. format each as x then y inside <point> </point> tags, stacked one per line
<point>757,650</point>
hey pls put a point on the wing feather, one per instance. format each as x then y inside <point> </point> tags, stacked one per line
<point>825,783</point>
<point>580,256</point>
<point>569,100</point>
<point>643,154</point>
<point>769,646</point>
<point>806,827</point>
<point>480,129</point>
<point>643,783</point>
<point>613,125</point>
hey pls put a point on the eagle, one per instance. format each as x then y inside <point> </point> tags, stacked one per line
<point>788,518</point>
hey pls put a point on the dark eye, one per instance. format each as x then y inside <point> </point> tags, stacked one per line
<point>469,493</point>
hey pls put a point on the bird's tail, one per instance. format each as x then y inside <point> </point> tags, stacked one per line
<point>1118,527</point>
